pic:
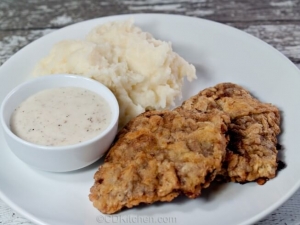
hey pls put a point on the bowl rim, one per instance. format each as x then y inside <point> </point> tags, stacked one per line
<point>24,85</point>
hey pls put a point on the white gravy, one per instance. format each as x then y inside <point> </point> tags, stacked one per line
<point>61,116</point>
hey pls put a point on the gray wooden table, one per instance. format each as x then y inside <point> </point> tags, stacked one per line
<point>276,22</point>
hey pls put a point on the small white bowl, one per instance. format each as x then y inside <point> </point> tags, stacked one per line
<point>58,158</point>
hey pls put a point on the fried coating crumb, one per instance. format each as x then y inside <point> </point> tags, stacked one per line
<point>159,155</point>
<point>251,153</point>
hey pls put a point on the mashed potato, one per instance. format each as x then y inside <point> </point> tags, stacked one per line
<point>141,71</point>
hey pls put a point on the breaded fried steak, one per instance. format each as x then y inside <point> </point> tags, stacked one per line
<point>251,153</point>
<point>158,155</point>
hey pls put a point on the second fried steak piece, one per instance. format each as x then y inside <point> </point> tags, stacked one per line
<point>252,153</point>
<point>158,155</point>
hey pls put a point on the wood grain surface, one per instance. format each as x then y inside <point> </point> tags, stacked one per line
<point>276,22</point>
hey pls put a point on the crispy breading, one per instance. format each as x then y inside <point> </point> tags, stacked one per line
<point>159,155</point>
<point>251,153</point>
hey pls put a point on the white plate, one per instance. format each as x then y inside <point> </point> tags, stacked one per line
<point>220,54</point>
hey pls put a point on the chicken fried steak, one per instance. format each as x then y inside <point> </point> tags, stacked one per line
<point>159,155</point>
<point>251,152</point>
